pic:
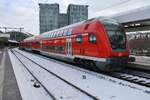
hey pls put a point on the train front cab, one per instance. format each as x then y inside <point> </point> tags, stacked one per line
<point>117,55</point>
<point>103,42</point>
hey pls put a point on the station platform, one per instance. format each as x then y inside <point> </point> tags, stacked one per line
<point>8,86</point>
<point>141,62</point>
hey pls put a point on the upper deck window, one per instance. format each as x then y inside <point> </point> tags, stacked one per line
<point>61,33</point>
<point>65,32</point>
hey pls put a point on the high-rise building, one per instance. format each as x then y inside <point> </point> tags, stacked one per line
<point>77,13</point>
<point>48,17</point>
<point>62,20</point>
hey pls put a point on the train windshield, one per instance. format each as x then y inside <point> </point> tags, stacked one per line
<point>116,34</point>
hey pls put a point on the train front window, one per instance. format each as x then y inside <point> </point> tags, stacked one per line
<point>92,38</point>
<point>117,40</point>
<point>116,34</point>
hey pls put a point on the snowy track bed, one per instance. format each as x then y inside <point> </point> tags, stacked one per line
<point>25,83</point>
<point>99,86</point>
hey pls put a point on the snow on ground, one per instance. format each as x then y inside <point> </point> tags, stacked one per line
<point>57,87</point>
<point>27,91</point>
<point>101,86</point>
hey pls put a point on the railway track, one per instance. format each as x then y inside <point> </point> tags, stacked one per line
<point>115,75</point>
<point>137,72</point>
<point>36,79</point>
<point>16,53</point>
<point>144,81</point>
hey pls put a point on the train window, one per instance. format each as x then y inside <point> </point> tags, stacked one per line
<point>65,32</point>
<point>54,34</point>
<point>78,39</point>
<point>61,33</point>
<point>69,31</point>
<point>57,33</point>
<point>92,38</point>
<point>51,35</point>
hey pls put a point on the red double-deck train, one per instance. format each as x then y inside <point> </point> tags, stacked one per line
<point>99,41</point>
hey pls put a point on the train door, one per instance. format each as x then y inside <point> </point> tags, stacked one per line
<point>69,43</point>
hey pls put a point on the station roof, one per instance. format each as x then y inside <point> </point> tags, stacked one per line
<point>135,15</point>
<point>5,35</point>
<point>13,41</point>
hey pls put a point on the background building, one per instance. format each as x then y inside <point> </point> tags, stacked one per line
<point>18,36</point>
<point>3,39</point>
<point>62,20</point>
<point>48,17</point>
<point>1,32</point>
<point>6,38</point>
<point>77,13</point>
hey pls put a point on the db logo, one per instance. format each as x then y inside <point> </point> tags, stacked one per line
<point>120,54</point>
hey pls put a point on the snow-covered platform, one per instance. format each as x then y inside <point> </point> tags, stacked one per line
<point>68,82</point>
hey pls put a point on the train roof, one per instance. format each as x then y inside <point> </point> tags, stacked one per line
<point>65,27</point>
<point>102,19</point>
<point>107,20</point>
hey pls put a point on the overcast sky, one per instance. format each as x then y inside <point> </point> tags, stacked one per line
<point>25,13</point>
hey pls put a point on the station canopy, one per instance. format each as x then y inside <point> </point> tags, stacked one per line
<point>136,19</point>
